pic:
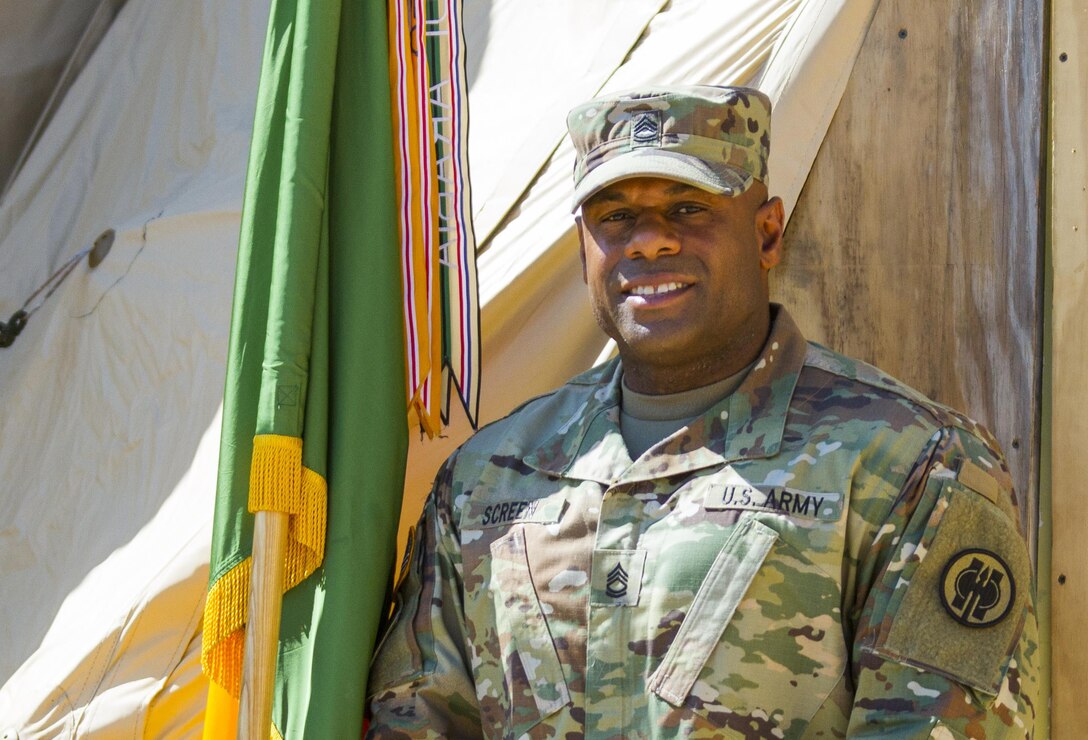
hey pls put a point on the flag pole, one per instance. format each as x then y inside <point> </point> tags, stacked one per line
<point>263,628</point>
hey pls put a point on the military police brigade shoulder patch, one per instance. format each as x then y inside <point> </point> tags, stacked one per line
<point>956,590</point>
<point>977,588</point>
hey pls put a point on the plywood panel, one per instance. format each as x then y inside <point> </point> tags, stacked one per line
<point>1067,581</point>
<point>915,241</point>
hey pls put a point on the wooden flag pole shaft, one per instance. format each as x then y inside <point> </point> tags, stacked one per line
<point>263,628</point>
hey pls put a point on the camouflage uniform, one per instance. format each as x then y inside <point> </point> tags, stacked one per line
<point>824,553</point>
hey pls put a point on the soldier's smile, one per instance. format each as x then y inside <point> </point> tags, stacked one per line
<point>655,291</point>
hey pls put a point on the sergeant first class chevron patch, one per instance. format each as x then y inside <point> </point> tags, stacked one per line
<point>965,601</point>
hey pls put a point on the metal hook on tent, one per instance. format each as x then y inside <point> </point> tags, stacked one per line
<point>101,248</point>
<point>11,329</point>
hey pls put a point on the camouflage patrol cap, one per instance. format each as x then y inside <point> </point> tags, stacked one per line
<point>715,138</point>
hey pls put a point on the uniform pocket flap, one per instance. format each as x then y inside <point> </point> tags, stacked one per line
<point>536,684</point>
<point>725,584</point>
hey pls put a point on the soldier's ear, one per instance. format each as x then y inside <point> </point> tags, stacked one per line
<point>770,225</point>
<point>581,244</point>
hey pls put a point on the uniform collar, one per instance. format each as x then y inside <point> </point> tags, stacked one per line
<point>747,424</point>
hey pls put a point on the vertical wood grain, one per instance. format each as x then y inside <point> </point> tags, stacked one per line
<point>263,626</point>
<point>915,242</point>
<point>1067,578</point>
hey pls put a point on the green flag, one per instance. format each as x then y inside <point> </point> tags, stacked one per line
<point>314,404</point>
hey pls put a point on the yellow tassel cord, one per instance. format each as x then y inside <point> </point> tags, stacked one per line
<point>278,482</point>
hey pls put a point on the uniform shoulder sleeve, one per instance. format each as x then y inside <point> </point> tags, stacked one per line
<point>420,683</point>
<point>948,635</point>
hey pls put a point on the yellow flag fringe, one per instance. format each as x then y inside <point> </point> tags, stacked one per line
<point>278,482</point>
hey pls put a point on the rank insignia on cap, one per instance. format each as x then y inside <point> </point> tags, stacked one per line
<point>646,129</point>
<point>977,588</point>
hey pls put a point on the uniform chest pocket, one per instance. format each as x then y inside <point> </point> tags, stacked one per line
<point>533,677</point>
<point>760,647</point>
<point>715,603</point>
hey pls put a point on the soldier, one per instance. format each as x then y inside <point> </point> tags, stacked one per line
<point>727,531</point>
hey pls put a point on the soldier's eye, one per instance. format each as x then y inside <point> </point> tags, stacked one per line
<point>689,208</point>
<point>615,216</point>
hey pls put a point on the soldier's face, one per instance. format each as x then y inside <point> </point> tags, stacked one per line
<point>678,276</point>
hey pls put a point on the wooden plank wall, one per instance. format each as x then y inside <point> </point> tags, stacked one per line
<point>915,243</point>
<point>1066,465</point>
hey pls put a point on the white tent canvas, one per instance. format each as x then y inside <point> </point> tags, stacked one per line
<point>111,394</point>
